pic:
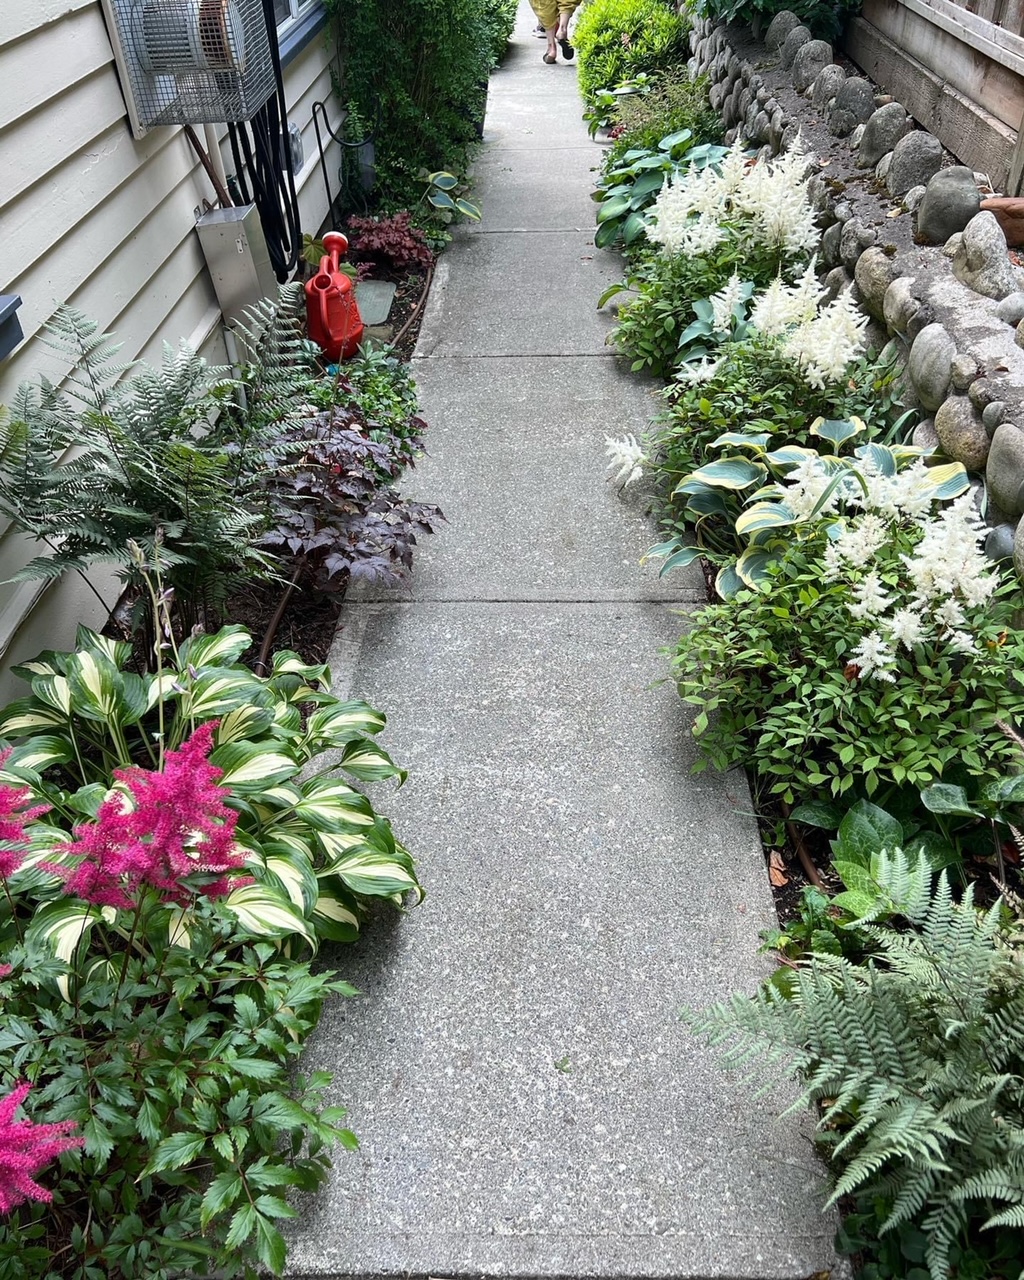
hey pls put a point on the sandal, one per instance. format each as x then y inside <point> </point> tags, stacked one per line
<point>550,58</point>
<point>568,52</point>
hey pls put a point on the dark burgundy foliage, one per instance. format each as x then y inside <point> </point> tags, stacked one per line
<point>334,507</point>
<point>392,242</point>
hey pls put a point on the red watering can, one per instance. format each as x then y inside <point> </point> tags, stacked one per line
<point>332,316</point>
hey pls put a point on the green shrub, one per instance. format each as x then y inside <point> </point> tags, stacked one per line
<point>618,39</point>
<point>917,1060</point>
<point>421,68</point>
<point>499,22</point>
<point>676,103</point>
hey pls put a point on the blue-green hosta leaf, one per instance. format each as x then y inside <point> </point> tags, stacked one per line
<point>647,184</point>
<point>729,473</point>
<point>443,180</point>
<point>948,480</point>
<point>613,208</point>
<point>249,767</point>
<point>441,200</point>
<point>294,875</point>
<point>881,456</point>
<point>728,582</point>
<point>837,430</point>
<point>790,455</point>
<point>634,227</point>
<point>266,911</point>
<point>220,650</point>
<point>764,515</point>
<point>680,559</point>
<point>710,502</point>
<point>673,140</point>
<point>340,722</point>
<point>743,440</point>
<point>330,804</point>
<point>366,761</point>
<point>752,566</point>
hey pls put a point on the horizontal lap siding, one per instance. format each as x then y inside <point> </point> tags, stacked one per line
<point>93,218</point>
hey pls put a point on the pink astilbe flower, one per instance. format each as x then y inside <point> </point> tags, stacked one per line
<point>13,820</point>
<point>5,970</point>
<point>25,1148</point>
<point>173,824</point>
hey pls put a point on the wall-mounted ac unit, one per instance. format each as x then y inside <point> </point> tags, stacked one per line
<point>190,61</point>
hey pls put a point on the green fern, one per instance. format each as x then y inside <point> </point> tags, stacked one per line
<point>915,1059</point>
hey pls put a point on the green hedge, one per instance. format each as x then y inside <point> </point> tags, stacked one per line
<point>617,39</point>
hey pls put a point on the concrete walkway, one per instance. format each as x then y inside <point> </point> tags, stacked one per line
<point>528,1103</point>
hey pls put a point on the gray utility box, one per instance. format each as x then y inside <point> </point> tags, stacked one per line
<point>236,253</point>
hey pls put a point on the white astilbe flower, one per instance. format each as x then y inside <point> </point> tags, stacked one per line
<point>906,627</point>
<point>874,656</point>
<point>909,493</point>
<point>723,302</point>
<point>961,642</point>
<point>870,600</point>
<point>825,346</point>
<point>858,542</point>
<point>773,197</point>
<point>948,561</point>
<point>783,305</point>
<point>627,460</point>
<point>698,371</point>
<point>805,486</point>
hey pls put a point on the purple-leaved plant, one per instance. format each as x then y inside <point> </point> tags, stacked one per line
<point>171,825</point>
<point>25,1149</point>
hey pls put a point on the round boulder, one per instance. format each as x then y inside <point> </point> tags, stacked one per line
<point>924,435</point>
<point>854,104</point>
<point>1011,309</point>
<point>999,542</point>
<point>1018,549</point>
<point>826,86</point>
<point>811,59</point>
<point>980,260</point>
<point>962,433</point>
<point>915,158</point>
<point>855,238</point>
<point>874,274</point>
<point>950,201</point>
<point>897,303</point>
<point>883,130</point>
<point>992,415</point>
<point>1004,471</point>
<point>796,40</point>
<point>914,197</point>
<point>780,27</point>
<point>931,365</point>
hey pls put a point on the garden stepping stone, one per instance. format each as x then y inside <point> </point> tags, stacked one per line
<point>527,1100</point>
<point>374,298</point>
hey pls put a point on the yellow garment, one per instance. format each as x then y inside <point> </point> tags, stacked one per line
<point>548,11</point>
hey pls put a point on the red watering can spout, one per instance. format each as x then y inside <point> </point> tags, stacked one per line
<point>332,316</point>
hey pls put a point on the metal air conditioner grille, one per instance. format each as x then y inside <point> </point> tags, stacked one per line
<point>193,61</point>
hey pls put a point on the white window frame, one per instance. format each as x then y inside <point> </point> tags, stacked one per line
<point>297,9</point>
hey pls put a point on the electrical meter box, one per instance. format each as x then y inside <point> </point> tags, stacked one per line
<point>236,254</point>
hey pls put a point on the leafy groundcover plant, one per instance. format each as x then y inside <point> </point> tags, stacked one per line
<point>617,39</point>
<point>173,847</point>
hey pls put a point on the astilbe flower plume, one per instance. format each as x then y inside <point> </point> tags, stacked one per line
<point>167,825</point>
<point>14,817</point>
<point>25,1149</point>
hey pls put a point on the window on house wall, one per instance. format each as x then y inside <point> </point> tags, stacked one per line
<point>287,11</point>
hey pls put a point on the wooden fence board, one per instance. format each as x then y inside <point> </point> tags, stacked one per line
<point>977,137</point>
<point>997,89</point>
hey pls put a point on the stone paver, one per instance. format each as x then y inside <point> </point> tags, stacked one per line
<point>528,1102</point>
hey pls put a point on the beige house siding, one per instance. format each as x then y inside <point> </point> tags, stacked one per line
<point>94,218</point>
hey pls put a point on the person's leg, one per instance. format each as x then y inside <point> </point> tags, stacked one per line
<point>566,8</point>
<point>547,13</point>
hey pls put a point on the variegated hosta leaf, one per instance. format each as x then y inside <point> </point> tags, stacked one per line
<point>48,663</point>
<point>764,515</point>
<point>366,761</point>
<point>330,804</point>
<point>53,692</point>
<point>752,566</point>
<point>882,457</point>
<point>790,455</point>
<point>216,691</point>
<point>334,915</point>
<point>246,721</point>
<point>333,726</point>
<point>758,441</point>
<point>728,582</point>
<point>370,872</point>
<point>99,691</point>
<point>250,767</point>
<point>268,912</point>
<point>948,480</point>
<point>118,651</point>
<point>294,875</point>
<point>63,926</point>
<point>220,650</point>
<point>288,662</point>
<point>837,430</point>
<point>35,756</point>
<point>179,928</point>
<point>335,844</point>
<point>29,715</point>
<point>729,473</point>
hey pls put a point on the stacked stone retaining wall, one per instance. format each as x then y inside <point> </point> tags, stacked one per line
<point>903,228</point>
